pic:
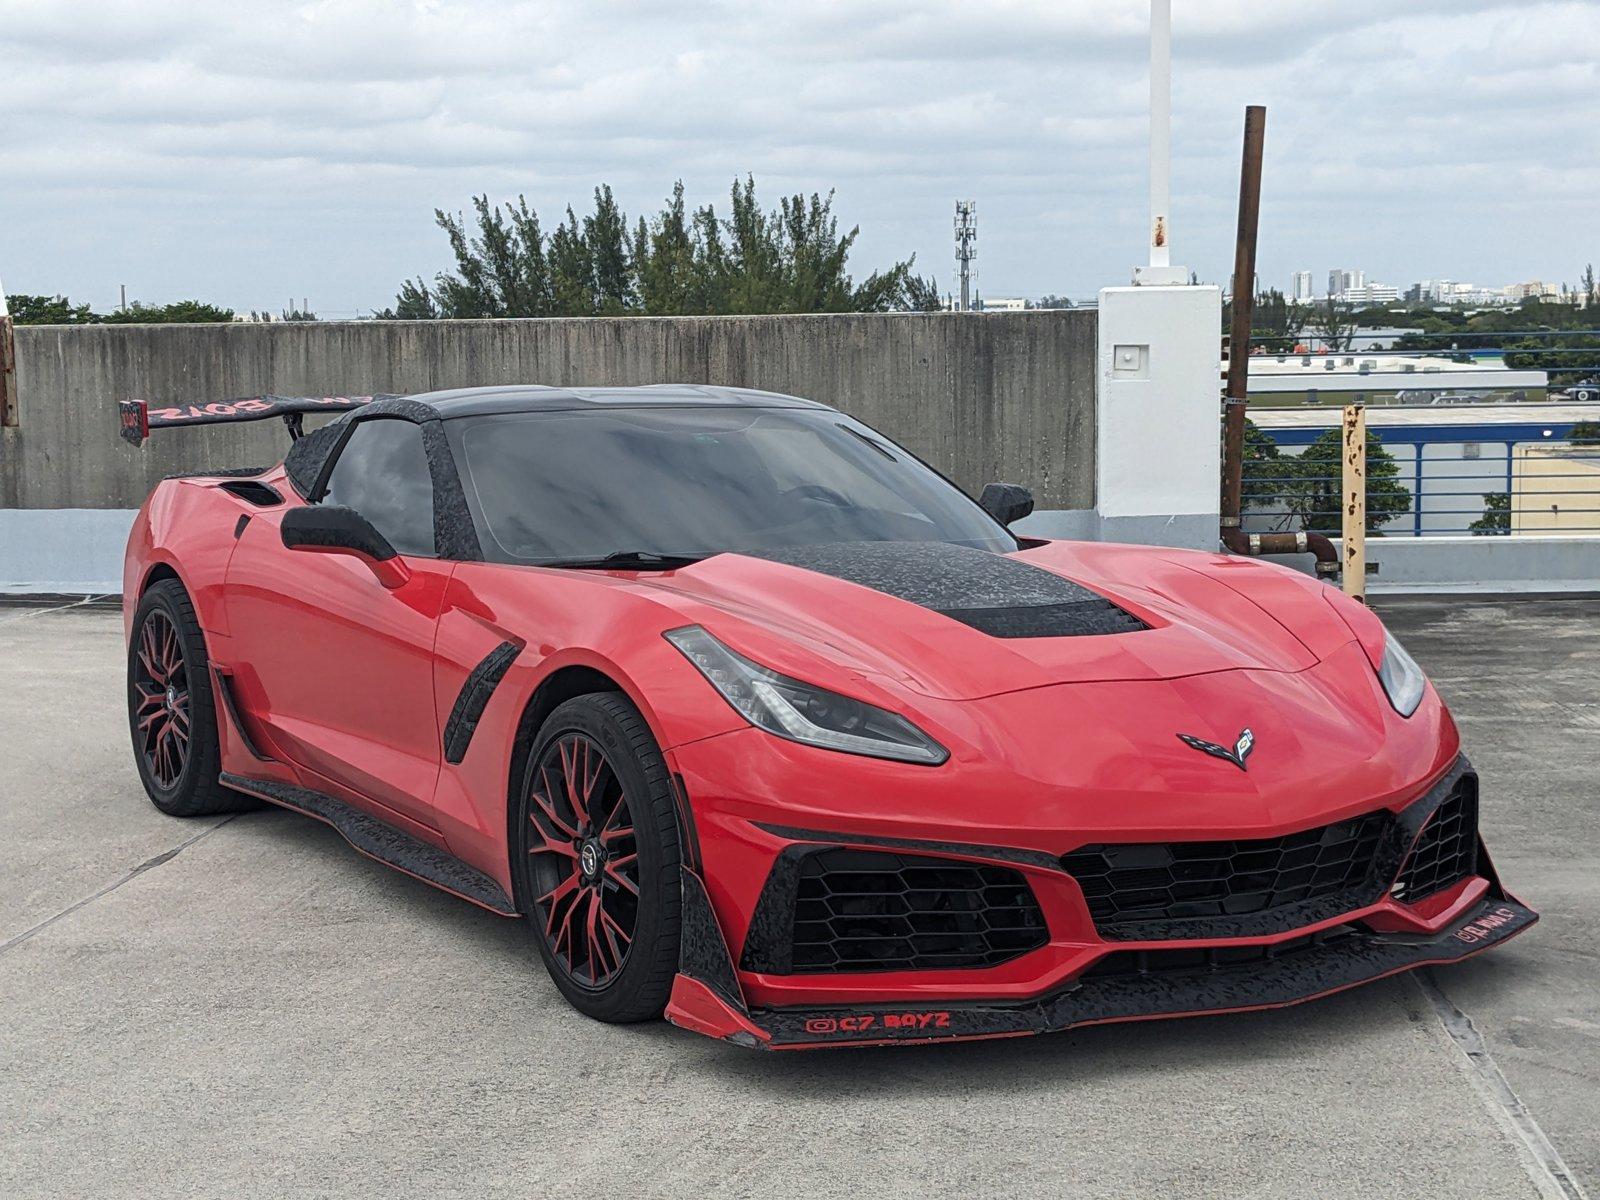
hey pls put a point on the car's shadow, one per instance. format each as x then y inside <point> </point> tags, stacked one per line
<point>1015,1065</point>
<point>304,837</point>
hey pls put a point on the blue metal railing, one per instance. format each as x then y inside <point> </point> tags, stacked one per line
<point>1420,486</point>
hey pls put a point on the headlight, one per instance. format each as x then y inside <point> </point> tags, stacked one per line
<point>1402,679</point>
<point>800,712</point>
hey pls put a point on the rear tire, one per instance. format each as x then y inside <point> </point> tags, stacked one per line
<point>172,716</point>
<point>597,859</point>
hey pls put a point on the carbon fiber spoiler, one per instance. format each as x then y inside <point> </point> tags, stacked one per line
<point>138,418</point>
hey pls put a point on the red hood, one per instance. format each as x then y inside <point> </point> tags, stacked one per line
<point>1201,619</point>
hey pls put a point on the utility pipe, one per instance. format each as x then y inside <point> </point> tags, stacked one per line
<point>1236,399</point>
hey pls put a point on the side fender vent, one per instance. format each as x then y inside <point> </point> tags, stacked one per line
<point>474,698</point>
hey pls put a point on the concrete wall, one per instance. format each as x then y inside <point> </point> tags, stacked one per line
<point>980,396</point>
<point>76,551</point>
<point>1475,564</point>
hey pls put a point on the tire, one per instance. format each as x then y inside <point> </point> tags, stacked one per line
<point>172,717</point>
<point>621,813</point>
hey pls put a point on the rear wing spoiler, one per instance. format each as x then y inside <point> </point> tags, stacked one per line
<point>138,418</point>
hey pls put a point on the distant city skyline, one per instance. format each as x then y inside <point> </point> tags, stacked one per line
<point>1355,286</point>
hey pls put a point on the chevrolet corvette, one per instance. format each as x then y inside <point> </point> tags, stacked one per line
<point>760,724</point>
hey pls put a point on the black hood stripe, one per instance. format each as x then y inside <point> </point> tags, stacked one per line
<point>999,596</point>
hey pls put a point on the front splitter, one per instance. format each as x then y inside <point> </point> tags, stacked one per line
<point>705,1005</point>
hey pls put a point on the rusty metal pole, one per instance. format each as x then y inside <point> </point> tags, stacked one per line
<point>1244,291</point>
<point>8,370</point>
<point>1236,398</point>
<point>1354,481</point>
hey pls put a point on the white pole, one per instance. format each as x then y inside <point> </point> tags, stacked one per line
<point>1160,130</point>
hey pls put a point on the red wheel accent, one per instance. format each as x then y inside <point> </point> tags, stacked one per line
<point>585,860</point>
<point>162,714</point>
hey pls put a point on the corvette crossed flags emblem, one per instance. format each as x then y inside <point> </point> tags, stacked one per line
<point>1240,752</point>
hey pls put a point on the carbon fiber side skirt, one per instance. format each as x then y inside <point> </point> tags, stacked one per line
<point>381,841</point>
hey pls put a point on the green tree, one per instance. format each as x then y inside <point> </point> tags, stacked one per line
<point>1539,334</point>
<point>1263,473</point>
<point>790,259</point>
<point>606,235</point>
<point>1330,322</point>
<point>1496,515</point>
<point>1313,484</point>
<point>711,273</point>
<point>752,264</point>
<point>571,271</point>
<point>1567,359</point>
<point>180,312</point>
<point>922,294</point>
<point>48,310</point>
<point>1305,490</point>
<point>1275,321</point>
<point>414,303</point>
<point>500,268</point>
<point>664,259</point>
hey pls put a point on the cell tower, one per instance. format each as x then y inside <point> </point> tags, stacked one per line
<point>966,248</point>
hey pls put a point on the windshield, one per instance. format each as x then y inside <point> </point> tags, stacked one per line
<point>692,482</point>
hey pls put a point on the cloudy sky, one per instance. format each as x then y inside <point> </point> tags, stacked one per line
<point>249,152</point>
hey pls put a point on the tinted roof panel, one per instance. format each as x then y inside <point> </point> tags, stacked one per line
<point>485,401</point>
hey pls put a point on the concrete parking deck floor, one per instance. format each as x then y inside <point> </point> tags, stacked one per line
<point>248,1008</point>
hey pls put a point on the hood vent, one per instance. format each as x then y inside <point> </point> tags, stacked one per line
<point>1049,620</point>
<point>1000,596</point>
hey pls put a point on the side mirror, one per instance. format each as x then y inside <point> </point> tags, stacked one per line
<point>1006,502</point>
<point>335,529</point>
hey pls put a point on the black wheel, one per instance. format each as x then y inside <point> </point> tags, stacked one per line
<point>170,711</point>
<point>597,859</point>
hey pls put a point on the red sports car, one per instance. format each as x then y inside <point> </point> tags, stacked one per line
<point>763,725</point>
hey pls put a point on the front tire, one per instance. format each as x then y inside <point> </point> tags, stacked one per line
<point>597,859</point>
<point>171,714</point>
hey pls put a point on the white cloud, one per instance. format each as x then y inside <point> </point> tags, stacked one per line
<point>251,151</point>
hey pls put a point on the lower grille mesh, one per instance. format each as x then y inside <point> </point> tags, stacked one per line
<point>1446,850</point>
<point>858,910</point>
<point>1176,881</point>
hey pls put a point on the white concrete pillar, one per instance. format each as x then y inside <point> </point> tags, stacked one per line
<point>1159,431</point>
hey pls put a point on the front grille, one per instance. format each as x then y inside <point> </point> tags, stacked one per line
<point>1128,963</point>
<point>1157,890</point>
<point>1447,849</point>
<point>858,910</point>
